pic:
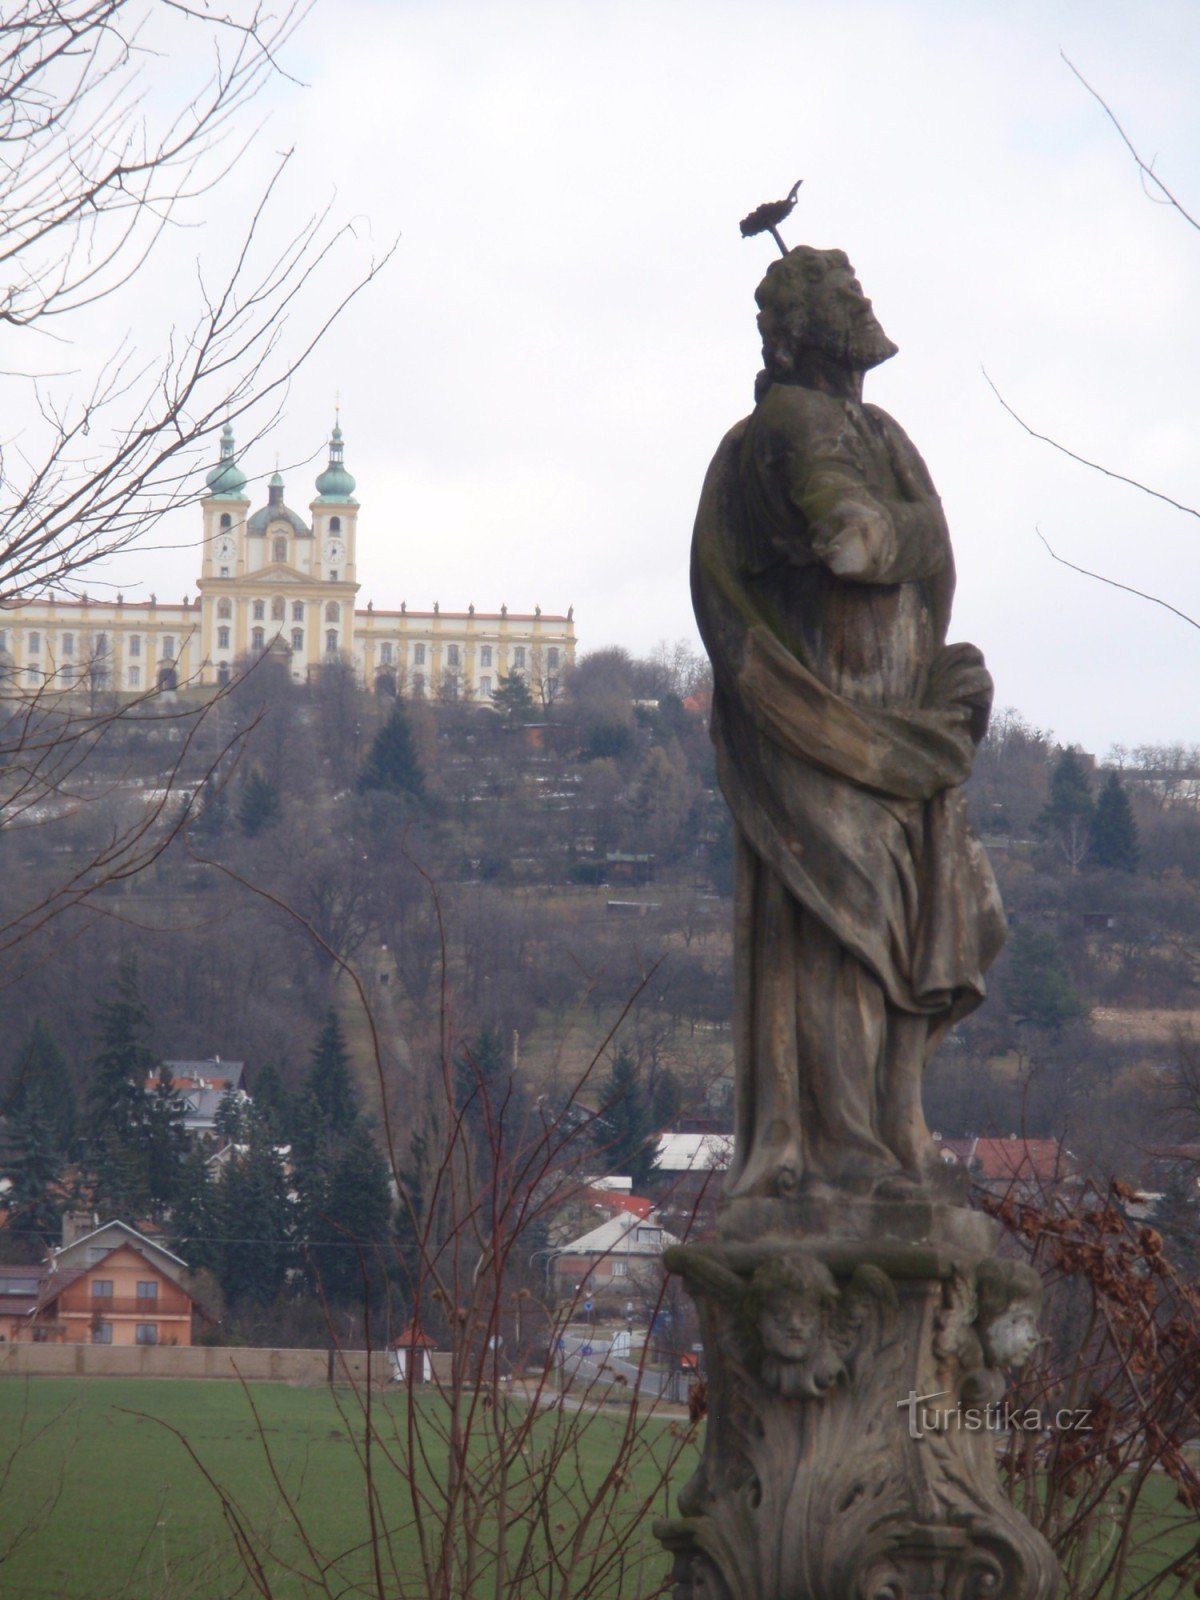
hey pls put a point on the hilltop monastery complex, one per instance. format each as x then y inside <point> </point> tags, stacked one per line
<point>273,579</point>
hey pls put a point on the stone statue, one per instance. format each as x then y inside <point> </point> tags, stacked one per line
<point>854,1313</point>
<point>866,913</point>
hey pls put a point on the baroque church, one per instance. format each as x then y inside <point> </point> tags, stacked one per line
<point>272,579</point>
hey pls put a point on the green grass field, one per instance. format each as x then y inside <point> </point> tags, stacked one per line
<point>100,1501</point>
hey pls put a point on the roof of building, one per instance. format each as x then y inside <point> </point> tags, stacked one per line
<point>693,1152</point>
<point>412,1336</point>
<point>276,511</point>
<point>335,483</point>
<point>110,608</point>
<point>226,481</point>
<point>375,614</point>
<point>630,1235</point>
<point>130,1236</point>
<point>1012,1160</point>
<point>211,1074</point>
<point>636,1205</point>
<point>20,1287</point>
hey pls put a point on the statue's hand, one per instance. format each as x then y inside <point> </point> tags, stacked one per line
<point>854,540</point>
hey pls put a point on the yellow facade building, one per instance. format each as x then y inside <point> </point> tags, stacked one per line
<point>273,579</point>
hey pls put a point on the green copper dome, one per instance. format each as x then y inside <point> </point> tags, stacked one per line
<point>335,483</point>
<point>226,481</point>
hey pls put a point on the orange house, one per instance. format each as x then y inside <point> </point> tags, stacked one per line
<point>122,1299</point>
<point>113,1286</point>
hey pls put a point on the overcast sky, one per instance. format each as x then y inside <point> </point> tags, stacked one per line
<point>532,390</point>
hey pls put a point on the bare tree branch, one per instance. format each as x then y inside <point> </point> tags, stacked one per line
<point>1095,466</point>
<point>1113,584</point>
<point>1155,188</point>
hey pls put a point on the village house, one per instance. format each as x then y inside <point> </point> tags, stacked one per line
<point>112,1285</point>
<point>625,1248</point>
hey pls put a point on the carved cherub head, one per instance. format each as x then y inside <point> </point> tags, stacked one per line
<point>792,1297</point>
<point>810,301</point>
<point>1010,1297</point>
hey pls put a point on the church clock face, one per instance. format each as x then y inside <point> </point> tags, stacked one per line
<point>334,552</point>
<point>226,548</point>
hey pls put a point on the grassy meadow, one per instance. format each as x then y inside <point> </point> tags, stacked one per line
<point>100,1499</point>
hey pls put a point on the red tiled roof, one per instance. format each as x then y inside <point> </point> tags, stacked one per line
<point>1013,1159</point>
<point>412,1335</point>
<point>612,1200</point>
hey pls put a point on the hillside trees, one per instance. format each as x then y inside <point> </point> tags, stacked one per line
<point>97,173</point>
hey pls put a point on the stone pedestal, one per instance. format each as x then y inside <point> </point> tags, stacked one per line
<point>850,1447</point>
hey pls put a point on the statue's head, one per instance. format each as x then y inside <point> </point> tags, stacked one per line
<point>811,303</point>
<point>1010,1297</point>
<point>792,1296</point>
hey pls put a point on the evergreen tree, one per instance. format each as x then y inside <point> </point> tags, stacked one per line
<point>1112,839</point>
<point>259,806</point>
<point>624,1128</point>
<point>31,1160</point>
<point>312,1155</point>
<point>1036,985</point>
<point>392,763</point>
<point>40,1069</point>
<point>117,1102</point>
<point>255,1222</point>
<point>356,1225</point>
<point>212,818</point>
<point>195,1222</point>
<point>482,1080</point>
<point>229,1118</point>
<point>1177,1216</point>
<point>271,1100</point>
<point>164,1143</point>
<point>512,697</point>
<point>1067,816</point>
<point>665,1099</point>
<point>415,1182</point>
<point>329,1081</point>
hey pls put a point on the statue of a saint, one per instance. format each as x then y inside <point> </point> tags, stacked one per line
<point>866,913</point>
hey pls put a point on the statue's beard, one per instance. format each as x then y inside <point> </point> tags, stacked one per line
<point>859,342</point>
<point>854,341</point>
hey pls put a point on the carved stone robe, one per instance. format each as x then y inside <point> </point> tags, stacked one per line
<point>866,912</point>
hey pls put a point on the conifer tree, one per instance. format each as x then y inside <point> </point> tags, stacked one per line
<point>1068,813</point>
<point>624,1127</point>
<point>40,1070</point>
<point>259,806</point>
<point>195,1222</point>
<point>1112,839</point>
<point>329,1081</point>
<point>164,1143</point>
<point>213,817</point>
<point>513,698</point>
<point>255,1222</point>
<point>228,1120</point>
<point>665,1099</point>
<point>271,1100</point>
<point>482,1079</point>
<point>117,1102</point>
<point>355,1228</point>
<point>1036,984</point>
<point>392,763</point>
<point>31,1160</point>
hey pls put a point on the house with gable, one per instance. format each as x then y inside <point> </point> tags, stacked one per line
<point>111,1285</point>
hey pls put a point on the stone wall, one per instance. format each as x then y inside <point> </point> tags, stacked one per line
<point>27,1360</point>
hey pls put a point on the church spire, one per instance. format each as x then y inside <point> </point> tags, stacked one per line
<point>335,483</point>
